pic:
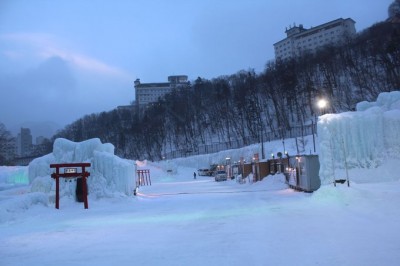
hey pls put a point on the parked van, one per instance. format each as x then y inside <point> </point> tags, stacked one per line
<point>220,176</point>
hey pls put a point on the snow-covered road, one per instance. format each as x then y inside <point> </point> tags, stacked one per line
<point>202,222</point>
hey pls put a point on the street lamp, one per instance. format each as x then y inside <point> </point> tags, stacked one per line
<point>322,103</point>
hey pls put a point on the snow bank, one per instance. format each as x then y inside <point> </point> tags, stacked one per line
<point>361,139</point>
<point>303,146</point>
<point>108,173</point>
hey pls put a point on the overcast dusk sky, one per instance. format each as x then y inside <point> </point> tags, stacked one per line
<point>61,60</point>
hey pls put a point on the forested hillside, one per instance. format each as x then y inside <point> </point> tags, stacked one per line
<point>248,106</point>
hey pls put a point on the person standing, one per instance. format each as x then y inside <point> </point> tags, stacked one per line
<point>194,175</point>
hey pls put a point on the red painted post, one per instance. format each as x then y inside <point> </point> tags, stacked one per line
<point>57,189</point>
<point>85,199</point>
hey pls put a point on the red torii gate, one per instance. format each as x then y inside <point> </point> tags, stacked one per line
<point>70,171</point>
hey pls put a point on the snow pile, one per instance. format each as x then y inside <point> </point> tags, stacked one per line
<point>108,173</point>
<point>362,139</point>
<point>274,182</point>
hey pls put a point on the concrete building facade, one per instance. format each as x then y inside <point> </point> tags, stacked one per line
<point>146,93</point>
<point>300,40</point>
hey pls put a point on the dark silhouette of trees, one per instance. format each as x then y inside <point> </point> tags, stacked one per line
<point>248,106</point>
<point>6,140</point>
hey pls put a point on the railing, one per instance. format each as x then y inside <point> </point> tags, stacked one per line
<point>294,132</point>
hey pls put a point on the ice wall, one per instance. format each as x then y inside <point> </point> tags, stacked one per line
<point>108,173</point>
<point>364,138</point>
<point>13,175</point>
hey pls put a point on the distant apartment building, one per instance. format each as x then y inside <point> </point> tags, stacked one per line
<point>24,142</point>
<point>300,40</point>
<point>146,93</point>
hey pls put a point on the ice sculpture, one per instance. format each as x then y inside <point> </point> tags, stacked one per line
<point>108,172</point>
<point>363,138</point>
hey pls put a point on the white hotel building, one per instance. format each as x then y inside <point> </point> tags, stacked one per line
<point>300,40</point>
<point>146,93</point>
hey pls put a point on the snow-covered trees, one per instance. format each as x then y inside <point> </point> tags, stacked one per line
<point>247,107</point>
<point>7,146</point>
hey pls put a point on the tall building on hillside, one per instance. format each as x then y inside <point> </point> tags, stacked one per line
<point>146,93</point>
<point>24,142</point>
<point>300,40</point>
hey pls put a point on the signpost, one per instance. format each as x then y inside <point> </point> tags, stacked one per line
<point>70,170</point>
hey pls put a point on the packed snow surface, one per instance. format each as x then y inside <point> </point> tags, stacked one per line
<point>182,221</point>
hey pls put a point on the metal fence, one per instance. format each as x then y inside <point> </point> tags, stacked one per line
<point>294,132</point>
